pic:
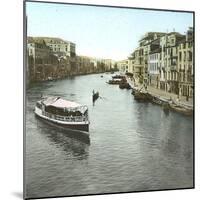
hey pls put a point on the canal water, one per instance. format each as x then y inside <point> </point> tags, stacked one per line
<point>133,146</point>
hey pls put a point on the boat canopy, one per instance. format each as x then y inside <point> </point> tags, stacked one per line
<point>58,102</point>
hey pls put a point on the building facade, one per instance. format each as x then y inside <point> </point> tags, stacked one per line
<point>164,61</point>
<point>40,60</point>
<point>122,65</point>
<point>169,70</point>
<point>149,42</point>
<point>185,65</point>
<point>84,65</point>
<point>60,47</point>
<point>137,65</point>
<point>45,64</point>
<point>154,59</point>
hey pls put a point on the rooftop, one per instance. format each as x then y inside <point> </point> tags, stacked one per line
<point>49,40</point>
<point>150,35</point>
<point>38,43</point>
<point>54,40</point>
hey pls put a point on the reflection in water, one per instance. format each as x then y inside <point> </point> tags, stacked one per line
<point>75,144</point>
<point>166,111</point>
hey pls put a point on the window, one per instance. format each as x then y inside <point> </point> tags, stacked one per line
<point>180,56</point>
<point>190,56</point>
<point>184,56</point>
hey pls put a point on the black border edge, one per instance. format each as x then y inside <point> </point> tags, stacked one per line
<point>194,44</point>
<point>24,94</point>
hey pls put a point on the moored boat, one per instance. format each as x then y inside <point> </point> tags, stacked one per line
<point>160,101</point>
<point>118,77</point>
<point>63,113</point>
<point>166,107</point>
<point>141,96</point>
<point>124,85</point>
<point>157,100</point>
<point>181,109</point>
<point>114,81</point>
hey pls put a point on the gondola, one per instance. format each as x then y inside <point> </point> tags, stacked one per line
<point>95,96</point>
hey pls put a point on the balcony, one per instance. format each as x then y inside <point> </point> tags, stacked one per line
<point>65,118</point>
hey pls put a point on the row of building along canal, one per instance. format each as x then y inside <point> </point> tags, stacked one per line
<point>133,146</point>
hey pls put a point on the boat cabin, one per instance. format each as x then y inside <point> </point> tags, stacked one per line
<point>55,107</point>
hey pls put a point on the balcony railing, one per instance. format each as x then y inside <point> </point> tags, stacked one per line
<point>66,118</point>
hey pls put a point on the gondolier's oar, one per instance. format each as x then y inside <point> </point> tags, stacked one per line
<point>140,89</point>
<point>103,98</point>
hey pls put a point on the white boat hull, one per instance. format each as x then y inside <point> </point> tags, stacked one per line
<point>82,126</point>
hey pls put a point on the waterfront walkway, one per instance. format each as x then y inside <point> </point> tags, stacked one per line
<point>163,94</point>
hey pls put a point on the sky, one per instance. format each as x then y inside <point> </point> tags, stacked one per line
<point>101,32</point>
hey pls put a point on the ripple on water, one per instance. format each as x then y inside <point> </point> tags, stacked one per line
<point>133,146</point>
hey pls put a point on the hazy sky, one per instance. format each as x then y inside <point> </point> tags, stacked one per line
<point>101,31</point>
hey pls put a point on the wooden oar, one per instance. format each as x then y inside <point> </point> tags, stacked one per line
<point>103,98</point>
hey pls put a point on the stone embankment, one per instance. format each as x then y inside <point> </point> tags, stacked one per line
<point>167,100</point>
